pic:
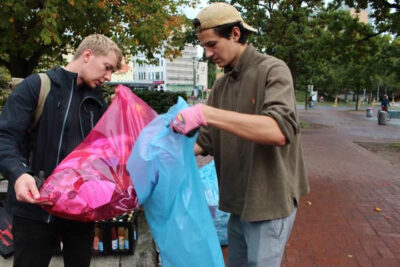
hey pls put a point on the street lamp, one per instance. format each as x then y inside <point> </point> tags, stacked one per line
<point>194,79</point>
<point>309,90</point>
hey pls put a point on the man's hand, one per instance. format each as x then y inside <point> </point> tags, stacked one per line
<point>26,190</point>
<point>188,120</point>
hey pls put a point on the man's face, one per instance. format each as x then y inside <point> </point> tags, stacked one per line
<point>221,50</point>
<point>98,68</point>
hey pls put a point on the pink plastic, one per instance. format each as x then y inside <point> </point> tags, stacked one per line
<point>92,182</point>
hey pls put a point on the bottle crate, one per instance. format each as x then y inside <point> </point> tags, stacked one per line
<point>116,236</point>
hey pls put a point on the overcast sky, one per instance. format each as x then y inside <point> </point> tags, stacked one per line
<point>191,13</point>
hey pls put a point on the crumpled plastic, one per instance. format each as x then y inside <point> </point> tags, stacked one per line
<point>92,182</point>
<point>208,176</point>
<point>164,172</point>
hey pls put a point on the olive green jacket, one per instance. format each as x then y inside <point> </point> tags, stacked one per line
<point>257,181</point>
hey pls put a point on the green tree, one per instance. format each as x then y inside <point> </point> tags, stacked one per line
<point>323,46</point>
<point>387,66</point>
<point>44,30</point>
<point>283,28</point>
<point>4,78</point>
<point>212,73</point>
<point>385,13</point>
<point>353,53</point>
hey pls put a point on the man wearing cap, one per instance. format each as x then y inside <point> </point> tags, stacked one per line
<point>251,128</point>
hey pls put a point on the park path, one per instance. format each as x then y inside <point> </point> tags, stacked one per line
<point>338,222</point>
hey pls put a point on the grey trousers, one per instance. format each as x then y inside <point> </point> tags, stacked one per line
<point>258,244</point>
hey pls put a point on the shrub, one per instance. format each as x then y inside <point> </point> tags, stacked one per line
<point>160,101</point>
<point>4,93</point>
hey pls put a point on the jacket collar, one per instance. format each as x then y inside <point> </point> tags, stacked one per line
<point>245,60</point>
<point>60,76</point>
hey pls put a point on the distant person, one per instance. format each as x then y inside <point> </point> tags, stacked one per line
<point>253,132</point>
<point>321,99</point>
<point>72,108</point>
<point>385,103</point>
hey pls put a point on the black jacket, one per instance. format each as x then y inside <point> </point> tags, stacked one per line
<point>68,116</point>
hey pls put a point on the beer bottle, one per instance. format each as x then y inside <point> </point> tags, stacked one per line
<point>96,238</point>
<point>114,239</point>
<point>126,238</point>
<point>121,237</point>
<point>100,243</point>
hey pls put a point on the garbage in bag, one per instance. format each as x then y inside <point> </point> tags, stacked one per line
<point>208,176</point>
<point>92,182</point>
<point>166,178</point>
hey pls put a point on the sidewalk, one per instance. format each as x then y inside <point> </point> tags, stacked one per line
<point>336,223</point>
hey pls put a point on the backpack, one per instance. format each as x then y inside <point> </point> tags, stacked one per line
<point>45,86</point>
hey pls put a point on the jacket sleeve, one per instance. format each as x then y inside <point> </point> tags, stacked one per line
<point>15,119</point>
<point>279,100</point>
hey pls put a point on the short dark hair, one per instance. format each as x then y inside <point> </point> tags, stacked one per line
<point>225,30</point>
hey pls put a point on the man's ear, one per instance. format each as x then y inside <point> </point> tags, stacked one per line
<point>86,55</point>
<point>235,33</point>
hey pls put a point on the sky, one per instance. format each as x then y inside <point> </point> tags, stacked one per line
<point>191,13</point>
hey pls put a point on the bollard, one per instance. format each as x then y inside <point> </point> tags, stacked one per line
<point>369,112</point>
<point>382,117</point>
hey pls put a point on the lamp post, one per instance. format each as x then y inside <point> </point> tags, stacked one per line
<point>194,79</point>
<point>309,91</point>
<point>377,93</point>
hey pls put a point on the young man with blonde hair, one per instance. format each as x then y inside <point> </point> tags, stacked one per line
<point>72,108</point>
<point>254,135</point>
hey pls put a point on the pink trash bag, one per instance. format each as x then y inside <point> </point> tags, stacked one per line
<point>92,182</point>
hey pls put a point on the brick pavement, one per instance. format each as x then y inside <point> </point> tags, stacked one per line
<point>337,224</point>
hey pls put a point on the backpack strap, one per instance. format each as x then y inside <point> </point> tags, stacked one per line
<point>45,87</point>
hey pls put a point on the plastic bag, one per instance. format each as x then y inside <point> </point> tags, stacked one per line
<point>166,178</point>
<point>6,235</point>
<point>92,182</point>
<point>208,176</point>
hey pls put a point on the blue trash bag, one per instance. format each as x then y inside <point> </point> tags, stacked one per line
<point>165,175</point>
<point>208,176</point>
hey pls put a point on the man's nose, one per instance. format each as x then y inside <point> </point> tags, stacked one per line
<point>209,53</point>
<point>107,77</point>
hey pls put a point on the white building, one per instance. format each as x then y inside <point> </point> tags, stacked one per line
<point>181,74</point>
<point>125,76</point>
<point>202,75</point>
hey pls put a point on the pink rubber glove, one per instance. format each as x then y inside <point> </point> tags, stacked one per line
<point>188,120</point>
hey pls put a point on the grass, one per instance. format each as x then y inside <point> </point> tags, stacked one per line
<point>350,104</point>
<point>304,125</point>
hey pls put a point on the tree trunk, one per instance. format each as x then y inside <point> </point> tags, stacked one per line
<point>21,67</point>
<point>356,99</point>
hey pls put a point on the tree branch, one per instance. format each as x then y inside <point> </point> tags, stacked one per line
<point>391,5</point>
<point>5,63</point>
<point>371,36</point>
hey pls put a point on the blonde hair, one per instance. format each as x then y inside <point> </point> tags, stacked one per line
<point>100,46</point>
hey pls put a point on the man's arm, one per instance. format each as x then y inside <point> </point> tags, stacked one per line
<point>198,150</point>
<point>15,119</point>
<point>275,123</point>
<point>256,128</point>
